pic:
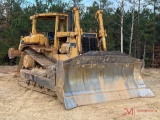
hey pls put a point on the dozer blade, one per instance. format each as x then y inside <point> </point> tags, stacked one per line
<point>96,77</point>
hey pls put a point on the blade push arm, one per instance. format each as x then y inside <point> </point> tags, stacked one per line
<point>34,22</point>
<point>77,27</point>
<point>102,32</point>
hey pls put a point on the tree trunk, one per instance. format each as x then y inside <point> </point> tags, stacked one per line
<point>132,27</point>
<point>154,36</point>
<point>135,49</point>
<point>138,40</point>
<point>153,52</point>
<point>36,6</point>
<point>144,51</point>
<point>122,11</point>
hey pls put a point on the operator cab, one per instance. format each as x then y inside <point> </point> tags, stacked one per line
<point>46,24</point>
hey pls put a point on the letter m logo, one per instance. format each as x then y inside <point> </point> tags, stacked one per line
<point>128,111</point>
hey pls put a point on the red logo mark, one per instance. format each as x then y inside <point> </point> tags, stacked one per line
<point>127,111</point>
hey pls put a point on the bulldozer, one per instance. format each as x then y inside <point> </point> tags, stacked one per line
<point>75,65</point>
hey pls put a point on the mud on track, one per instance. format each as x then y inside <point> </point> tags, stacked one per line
<point>18,103</point>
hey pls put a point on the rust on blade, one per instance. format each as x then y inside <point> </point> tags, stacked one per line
<point>96,77</point>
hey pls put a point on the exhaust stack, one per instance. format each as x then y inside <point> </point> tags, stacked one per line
<point>69,21</point>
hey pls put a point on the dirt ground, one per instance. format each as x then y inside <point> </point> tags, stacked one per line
<point>18,103</point>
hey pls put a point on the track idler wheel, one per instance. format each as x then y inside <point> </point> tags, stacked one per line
<point>28,61</point>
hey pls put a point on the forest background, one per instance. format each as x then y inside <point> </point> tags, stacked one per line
<point>133,26</point>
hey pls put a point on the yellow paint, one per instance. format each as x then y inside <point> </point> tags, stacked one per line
<point>39,39</point>
<point>34,22</point>
<point>13,53</point>
<point>102,32</point>
<point>77,27</point>
<point>55,34</point>
<point>62,49</point>
<point>61,57</point>
<point>66,34</point>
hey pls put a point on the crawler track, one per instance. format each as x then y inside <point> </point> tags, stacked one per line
<point>35,87</point>
<point>43,84</point>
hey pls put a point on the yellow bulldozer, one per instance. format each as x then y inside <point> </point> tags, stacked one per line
<point>75,65</point>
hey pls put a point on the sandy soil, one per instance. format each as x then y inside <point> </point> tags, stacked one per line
<point>18,103</point>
